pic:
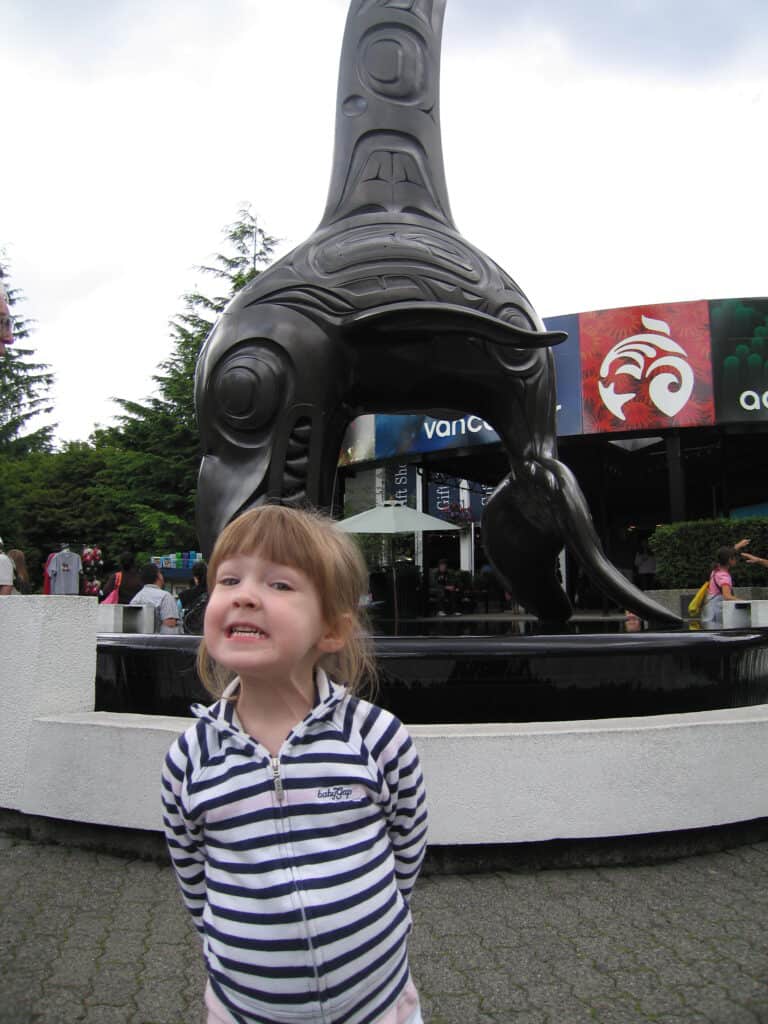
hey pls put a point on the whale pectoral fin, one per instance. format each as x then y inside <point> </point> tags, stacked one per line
<point>582,540</point>
<point>529,517</point>
<point>522,539</point>
<point>445,318</point>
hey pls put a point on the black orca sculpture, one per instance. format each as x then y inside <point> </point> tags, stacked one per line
<point>387,308</point>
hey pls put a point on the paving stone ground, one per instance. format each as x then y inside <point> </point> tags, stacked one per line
<point>89,938</point>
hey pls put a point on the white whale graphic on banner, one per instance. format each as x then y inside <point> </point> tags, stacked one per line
<point>654,357</point>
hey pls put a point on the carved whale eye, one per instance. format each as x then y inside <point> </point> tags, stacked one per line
<point>247,388</point>
<point>393,63</point>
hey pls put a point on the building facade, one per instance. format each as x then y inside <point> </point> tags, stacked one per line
<point>662,414</point>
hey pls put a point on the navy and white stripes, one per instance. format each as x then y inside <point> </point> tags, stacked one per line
<point>297,870</point>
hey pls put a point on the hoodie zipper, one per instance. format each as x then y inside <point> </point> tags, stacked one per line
<point>279,792</point>
<point>285,830</point>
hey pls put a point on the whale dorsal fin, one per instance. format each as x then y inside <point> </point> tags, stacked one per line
<point>388,154</point>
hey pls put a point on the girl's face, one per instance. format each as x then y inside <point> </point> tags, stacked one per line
<point>264,621</point>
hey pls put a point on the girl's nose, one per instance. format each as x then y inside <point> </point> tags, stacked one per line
<point>246,596</point>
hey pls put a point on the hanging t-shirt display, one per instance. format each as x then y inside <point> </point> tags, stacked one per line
<point>64,571</point>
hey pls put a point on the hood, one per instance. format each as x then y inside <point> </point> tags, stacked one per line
<point>221,715</point>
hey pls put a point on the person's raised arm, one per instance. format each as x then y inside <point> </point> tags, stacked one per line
<point>755,559</point>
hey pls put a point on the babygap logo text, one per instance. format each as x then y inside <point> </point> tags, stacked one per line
<point>335,793</point>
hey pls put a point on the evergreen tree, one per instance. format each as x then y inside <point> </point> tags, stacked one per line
<point>85,495</point>
<point>24,384</point>
<point>251,249</point>
<point>131,486</point>
<point>163,428</point>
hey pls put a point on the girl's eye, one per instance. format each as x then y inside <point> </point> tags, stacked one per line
<point>228,581</point>
<point>281,585</point>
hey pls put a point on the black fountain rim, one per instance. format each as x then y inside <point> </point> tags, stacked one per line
<point>552,644</point>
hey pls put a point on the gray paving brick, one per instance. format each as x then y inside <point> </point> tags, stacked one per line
<point>101,1014</point>
<point>87,938</point>
<point>59,1007</point>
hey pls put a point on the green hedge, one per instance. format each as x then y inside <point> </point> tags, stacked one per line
<point>685,552</point>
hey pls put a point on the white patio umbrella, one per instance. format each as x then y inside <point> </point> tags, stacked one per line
<point>393,518</point>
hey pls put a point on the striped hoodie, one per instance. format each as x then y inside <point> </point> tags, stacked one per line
<point>298,869</point>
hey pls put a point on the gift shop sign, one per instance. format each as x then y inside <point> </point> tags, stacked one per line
<point>440,497</point>
<point>646,368</point>
<point>400,484</point>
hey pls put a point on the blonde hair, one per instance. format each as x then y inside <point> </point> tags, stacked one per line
<point>311,542</point>
<point>20,564</point>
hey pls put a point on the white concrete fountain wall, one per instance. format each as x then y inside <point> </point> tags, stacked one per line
<point>487,783</point>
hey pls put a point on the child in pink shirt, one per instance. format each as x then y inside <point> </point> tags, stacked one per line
<point>720,587</point>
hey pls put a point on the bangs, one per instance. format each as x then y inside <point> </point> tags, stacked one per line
<point>287,536</point>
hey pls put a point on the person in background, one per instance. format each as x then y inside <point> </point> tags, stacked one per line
<point>444,588</point>
<point>129,583</point>
<point>199,586</point>
<point>720,586</point>
<point>192,601</point>
<point>6,320</point>
<point>6,572</point>
<point>21,580</point>
<point>152,593</point>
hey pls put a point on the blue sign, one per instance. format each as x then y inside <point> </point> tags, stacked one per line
<point>398,435</point>
<point>567,374</point>
<point>479,496</point>
<point>749,511</point>
<point>441,496</point>
<point>400,483</point>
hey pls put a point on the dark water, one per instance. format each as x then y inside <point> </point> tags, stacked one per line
<point>494,678</point>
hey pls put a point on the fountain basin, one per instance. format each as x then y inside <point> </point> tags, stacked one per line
<point>459,680</point>
<point>490,784</point>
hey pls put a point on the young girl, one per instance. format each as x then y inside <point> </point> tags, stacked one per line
<point>720,586</point>
<point>294,811</point>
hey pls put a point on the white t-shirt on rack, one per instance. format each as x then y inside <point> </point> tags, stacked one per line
<point>6,570</point>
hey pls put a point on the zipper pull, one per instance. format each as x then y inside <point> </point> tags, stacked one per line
<point>279,792</point>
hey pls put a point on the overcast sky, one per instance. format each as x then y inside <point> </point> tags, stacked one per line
<point>605,153</point>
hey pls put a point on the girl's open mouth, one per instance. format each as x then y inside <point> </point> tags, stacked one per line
<point>245,631</point>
